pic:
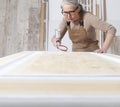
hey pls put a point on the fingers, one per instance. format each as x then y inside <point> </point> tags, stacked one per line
<point>55,42</point>
<point>100,51</point>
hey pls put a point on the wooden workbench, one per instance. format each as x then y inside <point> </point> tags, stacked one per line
<point>56,79</point>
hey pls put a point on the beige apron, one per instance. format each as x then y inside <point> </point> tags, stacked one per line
<point>81,42</point>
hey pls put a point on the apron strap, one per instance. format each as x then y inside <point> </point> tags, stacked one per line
<point>68,23</point>
<point>81,23</point>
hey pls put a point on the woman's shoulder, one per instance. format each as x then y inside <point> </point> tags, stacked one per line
<point>89,15</point>
<point>62,24</point>
<point>91,18</point>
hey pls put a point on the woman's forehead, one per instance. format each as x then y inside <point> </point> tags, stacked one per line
<point>68,7</point>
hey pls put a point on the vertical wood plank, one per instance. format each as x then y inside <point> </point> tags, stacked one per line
<point>91,6</point>
<point>42,25</point>
<point>97,14</point>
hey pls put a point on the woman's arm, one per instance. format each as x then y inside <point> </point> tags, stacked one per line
<point>106,44</point>
<point>62,29</point>
<point>109,29</point>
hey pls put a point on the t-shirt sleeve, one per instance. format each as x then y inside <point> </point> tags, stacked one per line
<point>97,23</point>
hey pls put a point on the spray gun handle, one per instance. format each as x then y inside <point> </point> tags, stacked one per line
<point>57,42</point>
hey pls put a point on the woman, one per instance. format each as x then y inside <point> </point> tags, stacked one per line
<point>81,26</point>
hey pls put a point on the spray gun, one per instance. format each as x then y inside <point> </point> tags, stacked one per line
<point>58,42</point>
<point>57,34</point>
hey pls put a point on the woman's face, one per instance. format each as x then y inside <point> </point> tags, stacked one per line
<point>71,13</point>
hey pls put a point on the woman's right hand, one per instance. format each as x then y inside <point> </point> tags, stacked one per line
<point>55,42</point>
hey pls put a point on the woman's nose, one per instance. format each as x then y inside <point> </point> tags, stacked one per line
<point>69,16</point>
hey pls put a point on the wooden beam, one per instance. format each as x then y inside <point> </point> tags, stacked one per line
<point>91,6</point>
<point>42,25</point>
<point>97,14</point>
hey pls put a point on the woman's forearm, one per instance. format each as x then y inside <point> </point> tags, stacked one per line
<point>108,41</point>
<point>106,44</point>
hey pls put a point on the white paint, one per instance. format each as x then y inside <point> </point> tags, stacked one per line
<point>60,77</point>
<point>12,63</point>
<point>113,15</point>
<point>116,60</point>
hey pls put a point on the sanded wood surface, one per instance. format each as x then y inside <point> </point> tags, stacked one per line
<point>63,63</point>
<point>60,74</point>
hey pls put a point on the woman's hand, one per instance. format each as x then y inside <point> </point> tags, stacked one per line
<point>101,50</point>
<point>55,42</point>
<point>106,44</point>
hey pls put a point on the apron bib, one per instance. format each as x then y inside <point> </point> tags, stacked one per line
<point>80,40</point>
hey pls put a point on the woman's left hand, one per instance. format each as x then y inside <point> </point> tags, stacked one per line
<point>101,50</point>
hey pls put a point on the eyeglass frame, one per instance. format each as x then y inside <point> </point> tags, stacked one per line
<point>69,12</point>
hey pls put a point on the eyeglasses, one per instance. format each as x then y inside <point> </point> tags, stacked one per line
<point>65,13</point>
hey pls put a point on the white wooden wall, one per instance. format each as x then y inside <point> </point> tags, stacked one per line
<point>113,17</point>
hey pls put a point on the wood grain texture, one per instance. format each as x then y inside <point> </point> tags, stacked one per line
<point>65,63</point>
<point>42,26</point>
